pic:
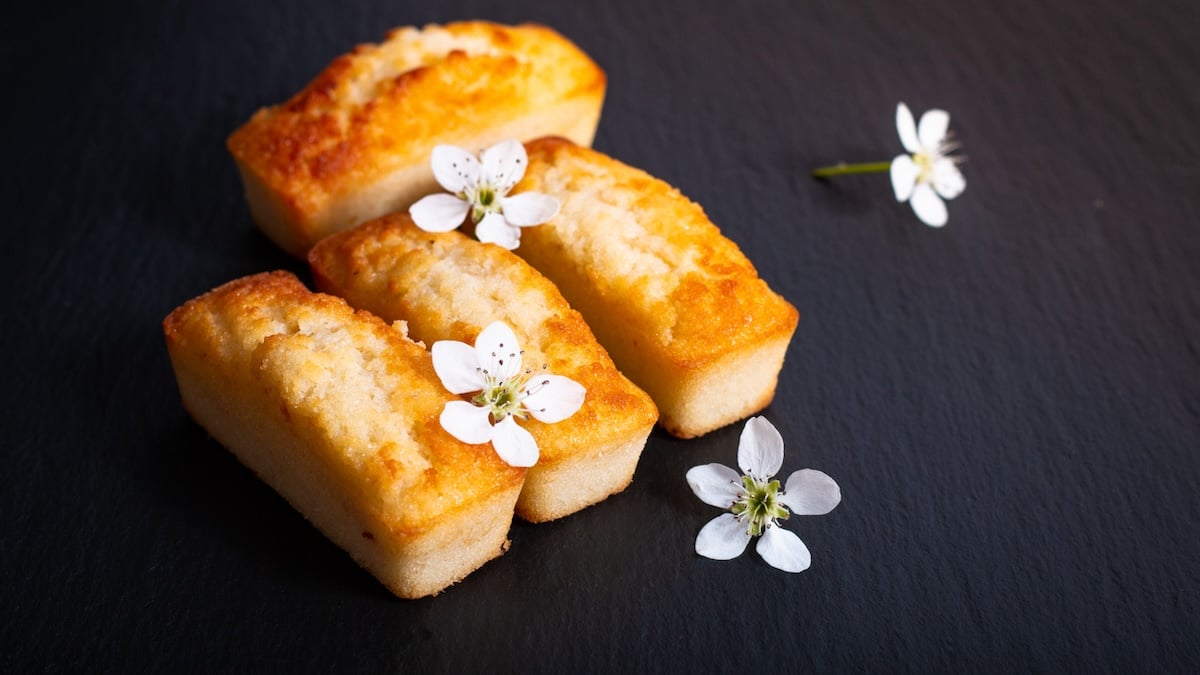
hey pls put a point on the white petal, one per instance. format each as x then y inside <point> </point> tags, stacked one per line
<point>454,168</point>
<point>809,492</point>
<point>498,351</point>
<point>907,129</point>
<point>457,366</point>
<point>760,450</point>
<point>514,445</point>
<point>928,206</point>
<point>553,398</point>
<point>783,550</point>
<point>468,423</point>
<point>529,208</point>
<point>932,129</point>
<point>904,176</point>
<point>723,538</point>
<point>504,165</point>
<point>947,179</point>
<point>715,484</point>
<point>493,229</point>
<point>439,213</point>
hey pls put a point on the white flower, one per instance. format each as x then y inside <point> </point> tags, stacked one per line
<point>506,393</point>
<point>481,189</point>
<point>756,503</point>
<point>928,171</point>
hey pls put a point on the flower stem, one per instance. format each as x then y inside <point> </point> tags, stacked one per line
<point>844,169</point>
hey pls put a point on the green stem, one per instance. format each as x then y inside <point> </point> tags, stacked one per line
<point>844,169</point>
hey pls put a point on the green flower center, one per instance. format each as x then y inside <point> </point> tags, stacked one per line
<point>503,397</point>
<point>486,200</point>
<point>759,505</point>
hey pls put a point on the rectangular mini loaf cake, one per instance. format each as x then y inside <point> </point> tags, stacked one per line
<point>449,287</point>
<point>355,143</point>
<point>338,412</point>
<point>680,309</point>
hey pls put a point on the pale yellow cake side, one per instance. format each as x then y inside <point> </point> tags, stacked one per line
<point>337,411</point>
<point>449,287</point>
<point>356,142</point>
<point>678,306</point>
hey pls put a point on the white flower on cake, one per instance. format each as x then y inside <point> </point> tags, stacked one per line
<point>506,393</point>
<point>480,189</point>
<point>928,175</point>
<point>756,503</point>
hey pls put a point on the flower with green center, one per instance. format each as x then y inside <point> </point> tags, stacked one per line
<point>926,175</point>
<point>929,174</point>
<point>756,503</point>
<point>480,189</point>
<point>759,504</point>
<point>506,393</point>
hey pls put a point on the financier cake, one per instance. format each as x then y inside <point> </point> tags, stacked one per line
<point>355,143</point>
<point>449,287</point>
<point>338,412</point>
<point>680,309</point>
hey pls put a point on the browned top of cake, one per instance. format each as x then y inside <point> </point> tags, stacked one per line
<point>651,255</point>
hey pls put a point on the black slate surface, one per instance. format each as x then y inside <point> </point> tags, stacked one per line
<point>1011,405</point>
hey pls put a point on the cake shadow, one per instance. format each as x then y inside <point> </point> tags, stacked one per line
<point>225,504</point>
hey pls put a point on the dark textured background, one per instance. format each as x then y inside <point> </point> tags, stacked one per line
<point>1011,404</point>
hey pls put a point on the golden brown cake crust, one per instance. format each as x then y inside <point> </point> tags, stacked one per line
<point>382,107</point>
<point>677,304</point>
<point>409,485</point>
